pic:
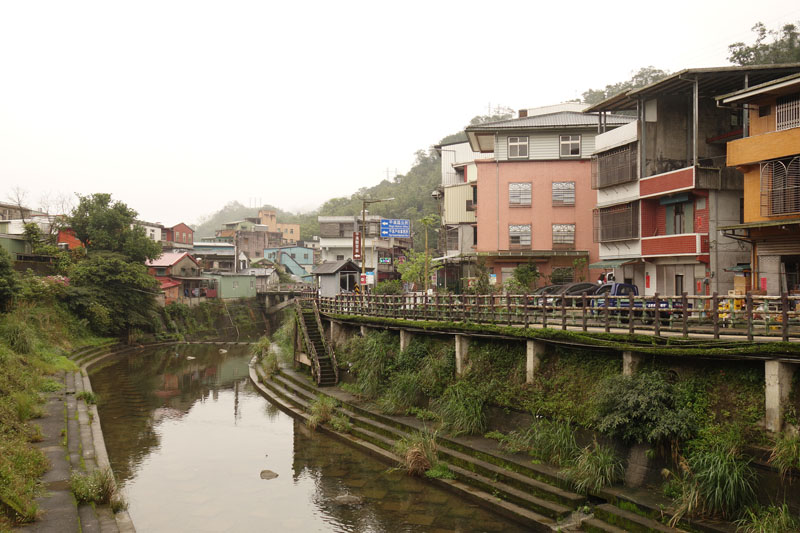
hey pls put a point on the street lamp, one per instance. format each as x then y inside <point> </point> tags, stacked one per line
<point>364,204</point>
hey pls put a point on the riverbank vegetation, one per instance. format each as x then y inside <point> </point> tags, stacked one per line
<point>704,421</point>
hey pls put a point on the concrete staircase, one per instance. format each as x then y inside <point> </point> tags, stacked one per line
<point>327,372</point>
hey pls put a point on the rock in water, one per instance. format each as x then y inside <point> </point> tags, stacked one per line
<point>268,474</point>
<point>223,350</point>
<point>347,499</point>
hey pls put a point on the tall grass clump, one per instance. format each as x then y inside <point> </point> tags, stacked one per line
<point>715,478</point>
<point>462,408</point>
<point>321,410</point>
<point>403,393</point>
<point>20,469</point>
<point>772,519</point>
<point>553,441</point>
<point>283,337</point>
<point>785,454</point>
<point>595,467</point>
<point>97,486</point>
<point>18,334</point>
<point>370,358</point>
<point>417,452</point>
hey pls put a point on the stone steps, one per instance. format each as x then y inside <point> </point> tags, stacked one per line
<point>518,493</point>
<point>628,520</point>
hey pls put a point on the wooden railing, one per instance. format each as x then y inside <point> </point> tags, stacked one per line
<point>746,316</point>
<point>327,345</point>
<point>315,370</point>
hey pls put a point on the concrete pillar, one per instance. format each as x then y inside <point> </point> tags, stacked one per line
<point>630,363</point>
<point>335,332</point>
<point>778,381</point>
<point>363,331</point>
<point>405,339</point>
<point>462,350</point>
<point>535,351</point>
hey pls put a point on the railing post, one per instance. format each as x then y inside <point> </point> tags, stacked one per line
<point>657,315</point>
<point>630,313</point>
<point>543,300</point>
<point>715,313</point>
<point>508,308</point>
<point>685,311</point>
<point>749,312</point>
<point>491,306</point>
<point>785,317</point>
<point>438,309</point>
<point>606,313</point>
<point>525,310</point>
<point>583,309</point>
<point>564,312</point>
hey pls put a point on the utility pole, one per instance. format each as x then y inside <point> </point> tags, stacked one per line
<point>364,204</point>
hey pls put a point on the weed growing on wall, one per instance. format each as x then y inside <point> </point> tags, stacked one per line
<point>321,411</point>
<point>462,408</point>
<point>595,467</point>
<point>370,358</point>
<point>772,519</point>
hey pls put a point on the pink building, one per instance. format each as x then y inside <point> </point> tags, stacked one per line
<point>534,197</point>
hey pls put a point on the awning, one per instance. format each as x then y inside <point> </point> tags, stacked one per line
<point>611,263</point>
<point>741,267</point>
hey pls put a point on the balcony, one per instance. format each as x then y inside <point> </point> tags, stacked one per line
<point>671,245</point>
<point>617,223</point>
<point>615,166</point>
<point>667,183</point>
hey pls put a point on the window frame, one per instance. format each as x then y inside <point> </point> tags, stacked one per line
<point>562,237</point>
<point>519,142</point>
<point>569,140</point>
<point>523,240</point>
<point>519,194</point>
<point>562,203</point>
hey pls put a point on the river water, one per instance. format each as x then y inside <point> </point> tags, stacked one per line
<point>188,438</point>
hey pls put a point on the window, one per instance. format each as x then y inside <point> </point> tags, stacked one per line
<point>570,145</point>
<point>291,230</point>
<point>678,284</point>
<point>517,147</point>
<point>519,194</point>
<point>294,256</point>
<point>679,218</point>
<point>563,193</point>
<point>562,275</point>
<point>780,187</point>
<point>564,234</point>
<point>339,257</point>
<point>787,112</point>
<point>616,223</point>
<point>519,236</point>
<point>452,238</point>
<point>764,110</point>
<point>305,256</point>
<point>235,284</point>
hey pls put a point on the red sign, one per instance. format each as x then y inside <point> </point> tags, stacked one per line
<point>363,279</point>
<point>357,246</point>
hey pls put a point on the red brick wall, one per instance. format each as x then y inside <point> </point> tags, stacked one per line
<point>680,179</point>
<point>677,244</point>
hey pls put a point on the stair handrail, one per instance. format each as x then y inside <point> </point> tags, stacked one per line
<point>315,367</point>
<point>327,345</point>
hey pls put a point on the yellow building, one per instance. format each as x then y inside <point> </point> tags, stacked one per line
<point>769,157</point>
<point>290,233</point>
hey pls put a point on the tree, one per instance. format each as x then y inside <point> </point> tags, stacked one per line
<point>101,224</point>
<point>641,78</point>
<point>114,293</point>
<point>414,268</point>
<point>784,48</point>
<point>9,285</point>
<point>525,276</point>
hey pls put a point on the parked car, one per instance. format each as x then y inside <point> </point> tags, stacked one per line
<point>536,298</point>
<point>572,293</point>
<point>619,294</point>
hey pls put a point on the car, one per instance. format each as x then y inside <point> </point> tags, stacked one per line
<point>572,293</point>
<point>536,298</point>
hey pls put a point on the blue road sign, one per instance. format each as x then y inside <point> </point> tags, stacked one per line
<point>395,227</point>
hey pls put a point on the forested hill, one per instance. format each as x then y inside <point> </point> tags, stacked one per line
<point>411,193</point>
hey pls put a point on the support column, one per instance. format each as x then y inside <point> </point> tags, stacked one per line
<point>363,331</point>
<point>630,363</point>
<point>462,350</point>
<point>778,381</point>
<point>405,339</point>
<point>535,351</point>
<point>335,332</point>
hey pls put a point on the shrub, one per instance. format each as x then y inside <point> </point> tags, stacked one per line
<point>370,359</point>
<point>553,441</point>
<point>461,408</point>
<point>440,471</point>
<point>770,519</point>
<point>18,334</point>
<point>394,286</point>
<point>87,396</point>
<point>786,453</point>
<point>321,411</point>
<point>596,466</point>
<point>269,363</point>
<point>403,393</point>
<point>642,408</point>
<point>417,452</point>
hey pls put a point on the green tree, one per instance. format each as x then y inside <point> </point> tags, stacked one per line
<point>414,268</point>
<point>9,285</point>
<point>642,77</point>
<point>113,292</point>
<point>783,48</point>
<point>524,278</point>
<point>102,224</point>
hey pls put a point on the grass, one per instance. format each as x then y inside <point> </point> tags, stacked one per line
<point>403,394</point>
<point>440,471</point>
<point>97,486</point>
<point>341,423</point>
<point>321,410</point>
<point>595,467</point>
<point>417,452</point>
<point>462,409</point>
<point>772,519</point>
<point>87,396</point>
<point>785,454</point>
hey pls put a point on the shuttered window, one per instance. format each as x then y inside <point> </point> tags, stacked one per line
<point>563,193</point>
<point>519,194</point>
<point>564,234</point>
<point>519,236</point>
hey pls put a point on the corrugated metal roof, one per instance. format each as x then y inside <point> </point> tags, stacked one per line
<point>712,82</point>
<point>168,259</point>
<point>331,267</point>
<point>563,119</point>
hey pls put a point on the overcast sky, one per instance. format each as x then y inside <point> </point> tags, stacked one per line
<point>178,107</point>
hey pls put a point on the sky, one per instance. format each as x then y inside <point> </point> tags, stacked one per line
<point>179,107</point>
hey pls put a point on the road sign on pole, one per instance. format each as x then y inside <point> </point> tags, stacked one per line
<point>357,246</point>
<point>395,227</point>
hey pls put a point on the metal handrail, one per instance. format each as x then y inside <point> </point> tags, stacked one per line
<point>315,369</point>
<point>328,347</point>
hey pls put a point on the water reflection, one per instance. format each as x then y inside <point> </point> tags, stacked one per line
<point>189,437</point>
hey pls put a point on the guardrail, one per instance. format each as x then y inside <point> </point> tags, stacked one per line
<point>743,315</point>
